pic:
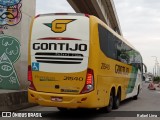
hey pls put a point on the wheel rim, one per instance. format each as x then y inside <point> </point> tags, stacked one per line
<point>117,102</point>
<point>111,102</point>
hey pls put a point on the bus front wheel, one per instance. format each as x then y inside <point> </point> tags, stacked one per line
<point>136,96</point>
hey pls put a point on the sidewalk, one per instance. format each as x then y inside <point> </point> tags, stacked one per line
<point>12,100</point>
<point>157,88</point>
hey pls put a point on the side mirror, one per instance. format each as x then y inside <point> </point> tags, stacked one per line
<point>144,71</point>
<point>144,68</point>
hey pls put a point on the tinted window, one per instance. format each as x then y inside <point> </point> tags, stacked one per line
<point>116,49</point>
<point>107,42</point>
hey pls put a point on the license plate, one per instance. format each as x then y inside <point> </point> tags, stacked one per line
<point>57,99</point>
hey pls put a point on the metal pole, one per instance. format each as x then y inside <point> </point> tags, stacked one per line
<point>158,70</point>
<point>155,65</point>
<point>155,70</point>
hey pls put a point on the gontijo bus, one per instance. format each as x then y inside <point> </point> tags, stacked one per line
<point>77,61</point>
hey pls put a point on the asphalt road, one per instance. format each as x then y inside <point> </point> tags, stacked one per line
<point>147,103</point>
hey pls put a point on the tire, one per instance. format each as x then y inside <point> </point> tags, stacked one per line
<point>62,109</point>
<point>116,102</point>
<point>136,96</point>
<point>108,108</point>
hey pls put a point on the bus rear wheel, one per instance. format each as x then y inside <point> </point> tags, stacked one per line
<point>116,100</point>
<point>108,108</point>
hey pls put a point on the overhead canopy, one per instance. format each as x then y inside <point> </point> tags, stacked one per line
<point>103,9</point>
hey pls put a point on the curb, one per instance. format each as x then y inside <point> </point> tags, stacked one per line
<point>13,101</point>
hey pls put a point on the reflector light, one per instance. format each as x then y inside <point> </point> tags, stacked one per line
<point>83,99</point>
<point>32,95</point>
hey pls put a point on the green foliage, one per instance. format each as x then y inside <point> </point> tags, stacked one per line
<point>156,79</point>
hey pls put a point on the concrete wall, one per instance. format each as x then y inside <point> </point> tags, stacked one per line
<point>14,33</point>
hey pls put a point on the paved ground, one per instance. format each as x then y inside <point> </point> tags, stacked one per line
<point>149,100</point>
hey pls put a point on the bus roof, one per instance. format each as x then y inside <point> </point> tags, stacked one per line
<point>83,14</point>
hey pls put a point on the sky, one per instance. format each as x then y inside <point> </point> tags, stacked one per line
<point>139,21</point>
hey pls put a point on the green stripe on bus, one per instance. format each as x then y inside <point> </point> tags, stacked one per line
<point>132,80</point>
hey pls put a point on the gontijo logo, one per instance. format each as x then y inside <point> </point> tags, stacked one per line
<point>59,25</point>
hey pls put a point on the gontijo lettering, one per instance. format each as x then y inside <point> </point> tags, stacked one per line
<point>121,69</point>
<point>59,46</point>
